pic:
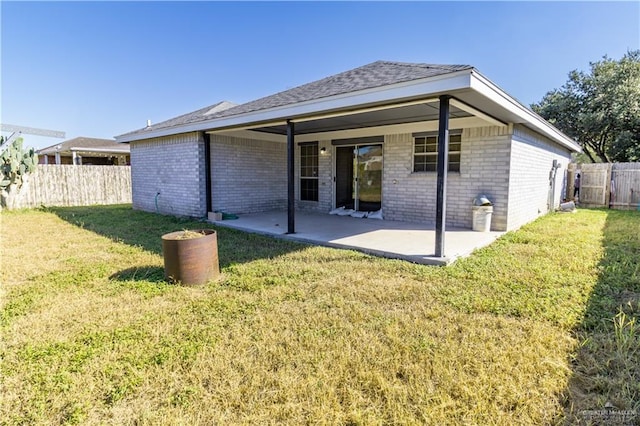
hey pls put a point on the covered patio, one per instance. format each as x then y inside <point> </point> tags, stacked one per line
<point>409,241</point>
<point>373,139</point>
<point>359,122</point>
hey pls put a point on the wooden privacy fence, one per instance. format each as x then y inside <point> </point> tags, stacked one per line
<point>68,185</point>
<point>614,185</point>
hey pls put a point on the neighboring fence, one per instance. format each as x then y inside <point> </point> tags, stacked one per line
<point>614,185</point>
<point>68,185</point>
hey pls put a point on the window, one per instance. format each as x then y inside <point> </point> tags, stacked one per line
<point>309,171</point>
<point>425,153</point>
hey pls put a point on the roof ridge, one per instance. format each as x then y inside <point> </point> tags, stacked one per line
<point>422,64</point>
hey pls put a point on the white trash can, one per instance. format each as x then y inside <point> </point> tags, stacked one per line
<point>482,218</point>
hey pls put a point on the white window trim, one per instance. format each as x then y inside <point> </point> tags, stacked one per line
<point>415,154</point>
<point>316,178</point>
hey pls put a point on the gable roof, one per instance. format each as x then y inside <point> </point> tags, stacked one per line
<point>86,145</point>
<point>376,74</point>
<point>352,96</point>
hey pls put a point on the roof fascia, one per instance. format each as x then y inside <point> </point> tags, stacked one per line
<point>106,150</point>
<point>420,126</point>
<point>489,90</point>
<point>348,102</point>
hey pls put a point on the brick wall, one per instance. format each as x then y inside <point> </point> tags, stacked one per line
<point>248,175</point>
<point>174,167</point>
<point>532,157</point>
<point>510,166</point>
<point>484,169</point>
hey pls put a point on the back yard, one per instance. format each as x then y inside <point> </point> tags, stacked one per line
<point>535,329</point>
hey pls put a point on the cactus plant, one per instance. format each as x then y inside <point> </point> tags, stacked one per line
<point>15,164</point>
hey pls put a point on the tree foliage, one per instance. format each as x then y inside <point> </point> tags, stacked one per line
<point>600,109</point>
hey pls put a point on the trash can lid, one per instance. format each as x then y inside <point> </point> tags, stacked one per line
<point>481,200</point>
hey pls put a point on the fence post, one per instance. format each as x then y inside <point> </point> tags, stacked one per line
<point>607,191</point>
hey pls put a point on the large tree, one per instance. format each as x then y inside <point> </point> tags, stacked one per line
<point>600,109</point>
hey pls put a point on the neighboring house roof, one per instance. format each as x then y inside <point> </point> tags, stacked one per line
<point>86,145</point>
<point>353,91</point>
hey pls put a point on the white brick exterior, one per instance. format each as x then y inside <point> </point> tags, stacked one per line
<point>172,166</point>
<point>510,165</point>
<point>532,158</point>
<point>247,175</point>
<point>484,169</point>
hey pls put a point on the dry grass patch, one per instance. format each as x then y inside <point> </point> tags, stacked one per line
<point>296,334</point>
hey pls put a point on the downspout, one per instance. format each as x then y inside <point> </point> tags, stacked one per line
<point>207,171</point>
<point>552,185</point>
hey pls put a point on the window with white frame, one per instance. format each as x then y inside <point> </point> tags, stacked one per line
<point>309,171</point>
<point>425,152</point>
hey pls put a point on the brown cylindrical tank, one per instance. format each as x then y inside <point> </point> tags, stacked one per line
<point>189,260</point>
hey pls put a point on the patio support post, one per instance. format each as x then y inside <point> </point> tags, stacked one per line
<point>442,166</point>
<point>291,202</point>
<point>207,172</point>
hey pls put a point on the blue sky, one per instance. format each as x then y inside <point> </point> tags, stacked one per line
<point>99,69</point>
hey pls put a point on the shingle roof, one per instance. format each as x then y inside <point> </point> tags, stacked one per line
<point>376,74</point>
<point>191,117</point>
<point>86,143</point>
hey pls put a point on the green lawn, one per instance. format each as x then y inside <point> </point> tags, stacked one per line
<point>534,329</point>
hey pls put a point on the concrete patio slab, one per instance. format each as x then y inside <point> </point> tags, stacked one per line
<point>414,242</point>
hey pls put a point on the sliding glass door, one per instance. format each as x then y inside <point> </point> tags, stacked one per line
<point>359,177</point>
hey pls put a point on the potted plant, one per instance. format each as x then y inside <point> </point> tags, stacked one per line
<point>190,256</point>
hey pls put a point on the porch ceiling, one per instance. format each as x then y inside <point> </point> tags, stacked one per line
<point>427,111</point>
